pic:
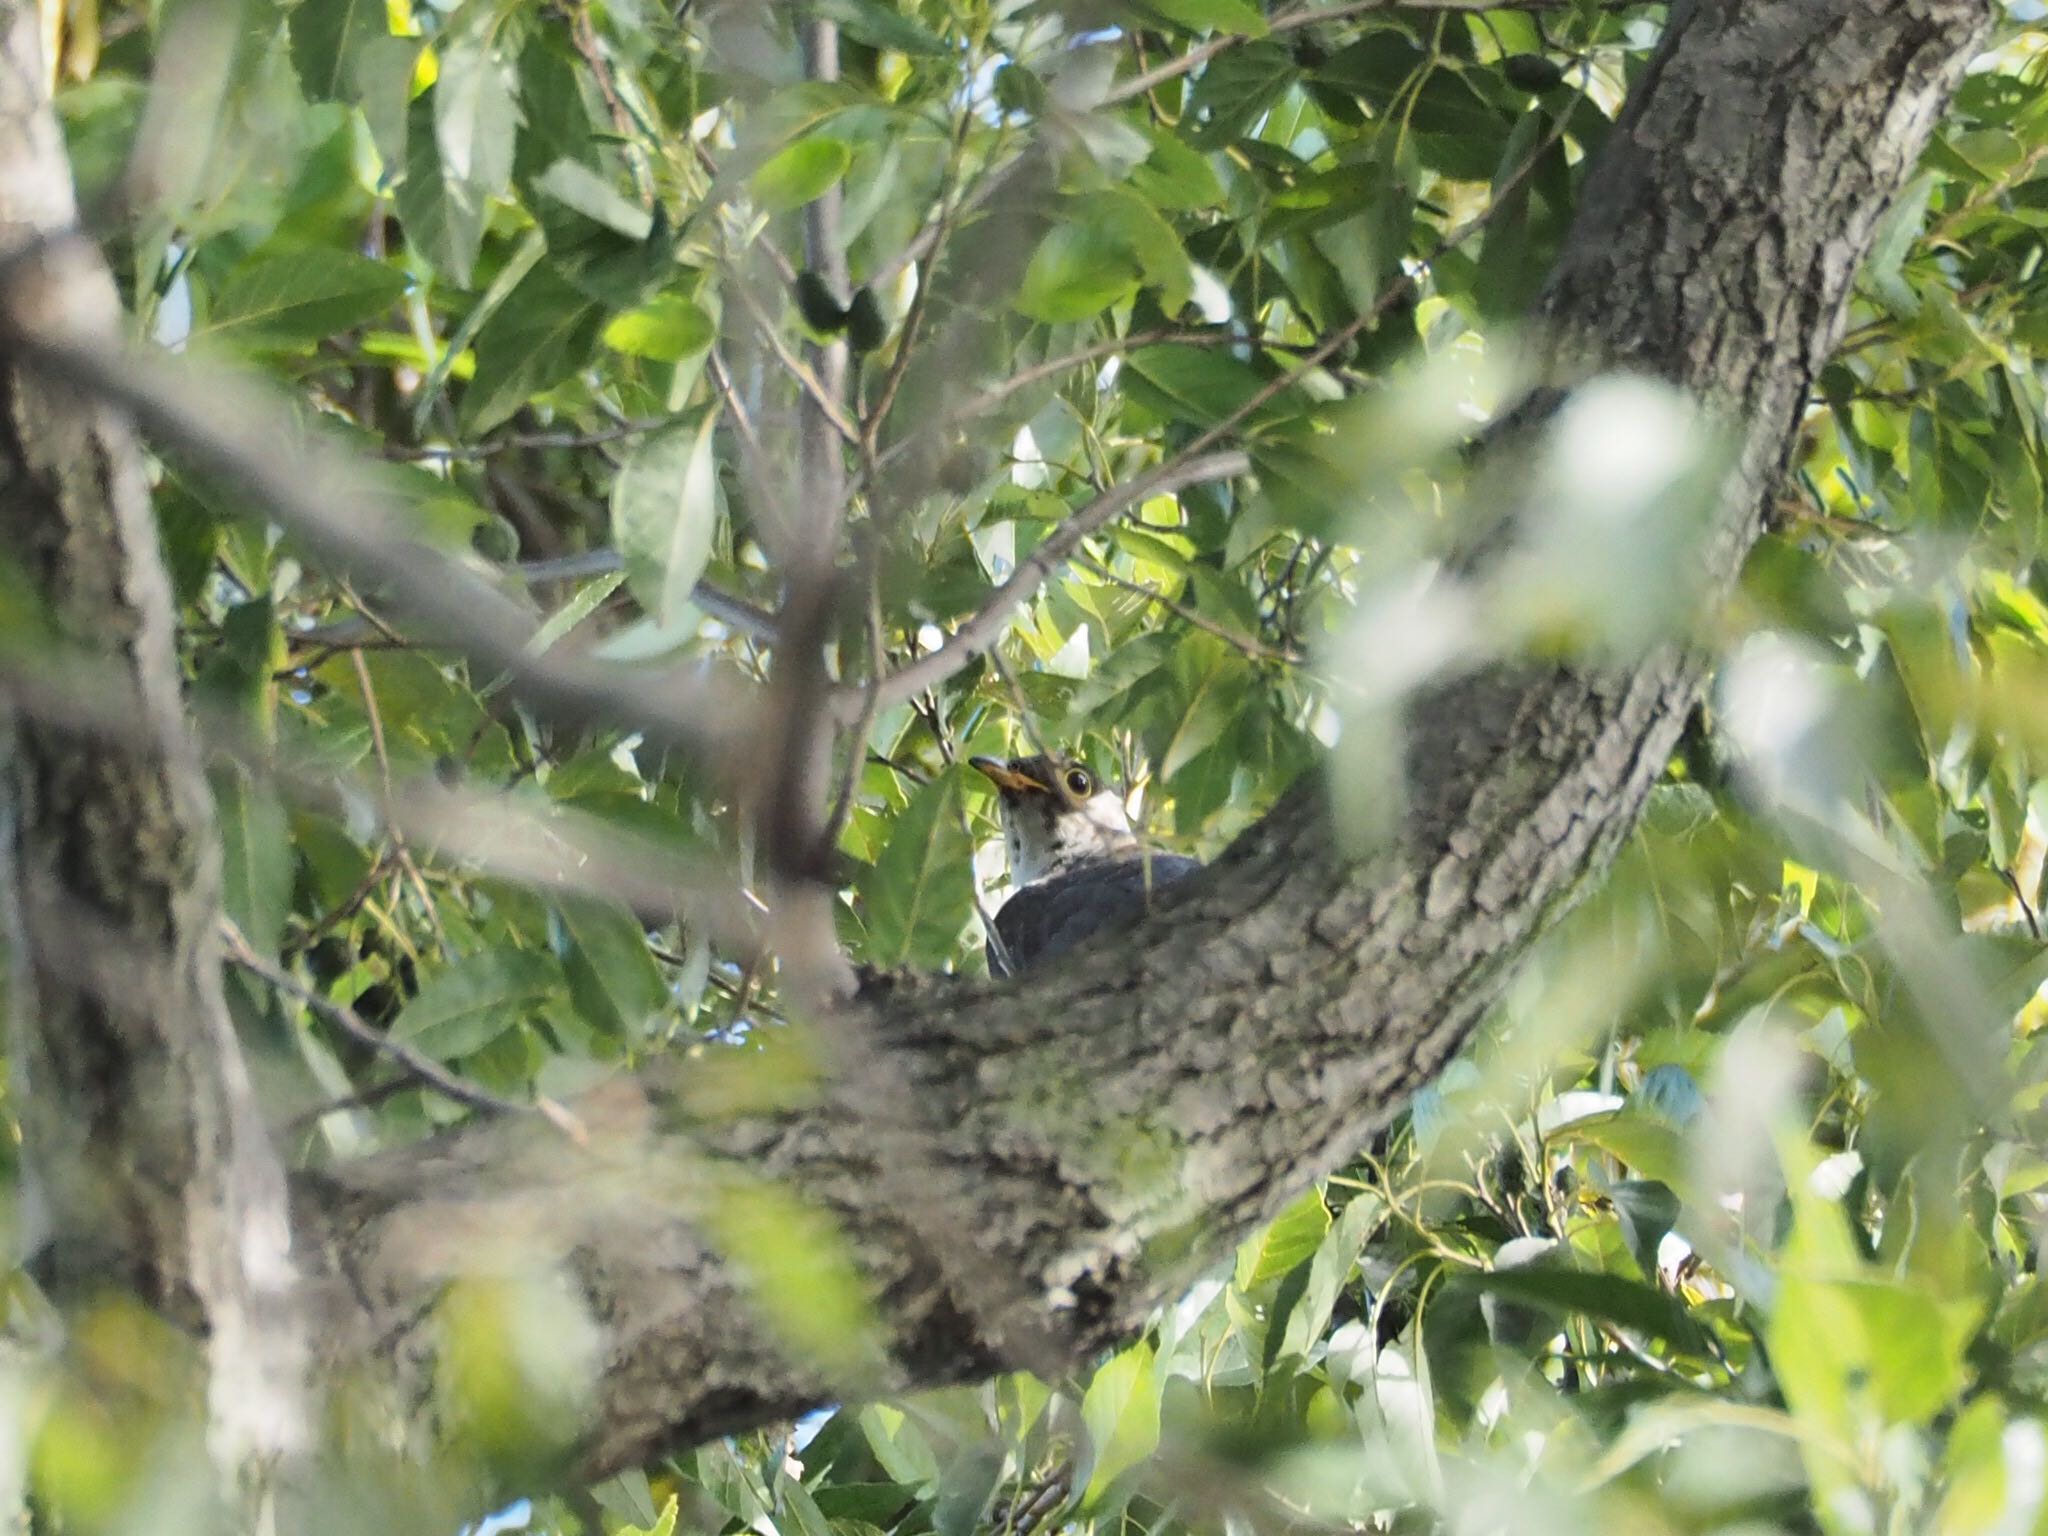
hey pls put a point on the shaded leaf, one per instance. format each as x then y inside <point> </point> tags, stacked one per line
<point>464,1006</point>
<point>918,896</point>
<point>665,513</point>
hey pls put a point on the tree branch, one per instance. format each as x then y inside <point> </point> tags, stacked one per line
<point>1123,1119</point>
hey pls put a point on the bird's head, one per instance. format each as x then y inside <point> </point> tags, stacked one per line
<point>1055,815</point>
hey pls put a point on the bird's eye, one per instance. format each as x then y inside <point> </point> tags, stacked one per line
<point>1078,782</point>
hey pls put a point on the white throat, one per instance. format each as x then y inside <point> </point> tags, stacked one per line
<point>1044,837</point>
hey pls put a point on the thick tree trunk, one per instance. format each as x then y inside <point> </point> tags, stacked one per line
<point>147,1161</point>
<point>1093,1137</point>
<point>1018,1174</point>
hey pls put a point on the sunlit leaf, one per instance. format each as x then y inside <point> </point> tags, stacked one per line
<point>794,176</point>
<point>1121,1410</point>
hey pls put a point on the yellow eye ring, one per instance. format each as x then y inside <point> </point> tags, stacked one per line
<point>1079,783</point>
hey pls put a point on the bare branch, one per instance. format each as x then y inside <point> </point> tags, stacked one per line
<point>730,610</point>
<point>324,497</point>
<point>986,626</point>
<point>1184,468</point>
<point>425,1069</point>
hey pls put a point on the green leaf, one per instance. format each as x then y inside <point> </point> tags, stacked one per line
<point>543,332</point>
<point>664,1523</point>
<point>802,171</point>
<point>588,599</point>
<point>965,1490</point>
<point>327,38</point>
<point>1121,1410</point>
<point>916,898</point>
<point>1236,89</point>
<point>466,1005</point>
<point>666,329</point>
<point>1077,272</point>
<point>1175,177</point>
<point>1196,385</point>
<point>900,1445</point>
<point>1238,16</point>
<point>443,216</point>
<point>575,185</point>
<point>298,298</point>
<point>612,975</point>
<point>476,117</point>
<point>382,74</point>
<point>1651,1147</point>
<point>665,513</point>
<point>1209,694</point>
<point>1615,1298</point>
<point>256,857</point>
<point>1292,1238</point>
<point>880,26</point>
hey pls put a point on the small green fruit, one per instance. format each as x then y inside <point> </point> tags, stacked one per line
<point>865,327</point>
<point>815,303</point>
<point>1532,72</point>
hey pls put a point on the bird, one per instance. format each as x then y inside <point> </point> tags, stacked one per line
<point>1075,864</point>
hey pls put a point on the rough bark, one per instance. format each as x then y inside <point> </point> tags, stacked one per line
<point>1089,1138</point>
<point>1098,1134</point>
<point>148,1164</point>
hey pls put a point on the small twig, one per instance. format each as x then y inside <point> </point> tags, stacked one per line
<point>345,908</point>
<point>399,848</point>
<point>735,408</point>
<point>857,743</point>
<point>428,1071</point>
<point>592,51</point>
<point>899,365</point>
<point>345,518</point>
<point>916,776</point>
<point>808,381</point>
<point>360,630</point>
<point>512,442</point>
<point>1183,468</point>
<point>1096,352</point>
<point>1258,650</point>
<point>982,630</point>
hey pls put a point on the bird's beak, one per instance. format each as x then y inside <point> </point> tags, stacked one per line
<point>1005,776</point>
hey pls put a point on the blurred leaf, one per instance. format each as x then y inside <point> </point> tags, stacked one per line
<point>1077,272</point>
<point>1211,15</point>
<point>798,1269</point>
<point>1121,1410</point>
<point>881,26</point>
<point>795,175</point>
<point>667,329</point>
<point>665,514</point>
<point>298,298</point>
<point>468,1003</point>
<point>612,968</point>
<point>476,116</point>
<point>256,857</point>
<point>1611,1298</point>
<point>327,38</point>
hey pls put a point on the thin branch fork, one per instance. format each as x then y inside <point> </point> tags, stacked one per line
<point>424,1069</point>
<point>1191,465</point>
<point>322,496</point>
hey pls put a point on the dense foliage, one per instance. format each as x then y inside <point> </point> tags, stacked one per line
<point>1732,1215</point>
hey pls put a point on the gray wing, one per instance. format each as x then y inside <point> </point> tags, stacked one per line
<point>1051,917</point>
